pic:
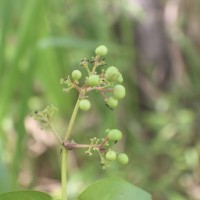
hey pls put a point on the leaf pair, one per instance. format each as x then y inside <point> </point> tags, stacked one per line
<point>107,189</point>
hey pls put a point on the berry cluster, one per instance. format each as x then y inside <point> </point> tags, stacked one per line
<point>106,81</point>
<point>103,148</point>
<point>113,135</point>
<point>109,83</point>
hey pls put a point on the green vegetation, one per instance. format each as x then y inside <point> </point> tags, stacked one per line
<point>41,42</point>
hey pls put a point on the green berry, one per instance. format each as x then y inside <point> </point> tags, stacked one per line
<point>114,135</point>
<point>111,155</point>
<point>76,74</point>
<point>85,105</point>
<point>112,68</point>
<point>120,78</point>
<point>119,91</point>
<point>112,102</point>
<point>101,50</point>
<point>93,80</point>
<point>122,158</point>
<point>112,74</point>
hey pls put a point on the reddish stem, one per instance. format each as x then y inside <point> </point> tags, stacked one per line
<point>103,143</point>
<point>68,145</point>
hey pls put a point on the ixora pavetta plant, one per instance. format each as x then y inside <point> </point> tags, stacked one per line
<point>108,82</point>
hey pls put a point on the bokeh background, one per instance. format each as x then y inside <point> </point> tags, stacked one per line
<point>155,44</point>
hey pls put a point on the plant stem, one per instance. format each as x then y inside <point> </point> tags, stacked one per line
<point>65,151</point>
<point>95,64</point>
<point>56,133</point>
<point>104,142</point>
<point>72,120</point>
<point>64,173</point>
<point>69,146</point>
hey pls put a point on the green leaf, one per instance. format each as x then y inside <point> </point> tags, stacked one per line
<point>113,189</point>
<point>4,176</point>
<point>25,195</point>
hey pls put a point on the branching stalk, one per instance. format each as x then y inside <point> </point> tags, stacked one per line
<point>56,133</point>
<point>72,120</point>
<point>65,151</point>
<point>69,145</point>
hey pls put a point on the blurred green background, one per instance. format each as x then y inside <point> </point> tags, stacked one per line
<point>156,46</point>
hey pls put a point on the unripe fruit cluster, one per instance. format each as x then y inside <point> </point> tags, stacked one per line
<point>108,81</point>
<point>112,74</point>
<point>114,77</point>
<point>118,93</point>
<point>122,158</point>
<point>115,135</point>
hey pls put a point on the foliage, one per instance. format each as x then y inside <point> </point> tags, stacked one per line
<point>106,83</point>
<point>29,195</point>
<point>40,41</point>
<point>113,188</point>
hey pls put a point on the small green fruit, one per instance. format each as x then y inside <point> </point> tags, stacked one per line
<point>122,158</point>
<point>85,105</point>
<point>115,135</point>
<point>93,80</point>
<point>119,91</point>
<point>120,78</point>
<point>111,155</point>
<point>76,74</point>
<point>112,74</point>
<point>112,102</point>
<point>101,50</point>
